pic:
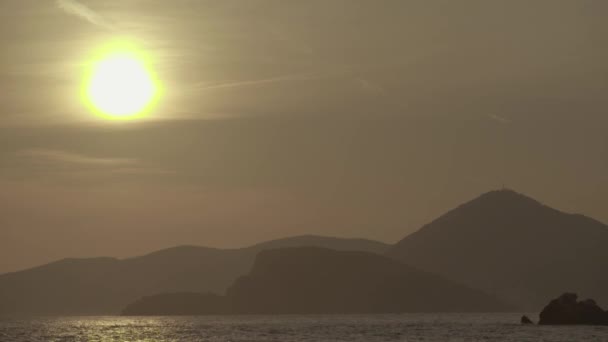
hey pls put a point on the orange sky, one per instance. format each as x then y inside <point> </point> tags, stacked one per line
<point>343,117</point>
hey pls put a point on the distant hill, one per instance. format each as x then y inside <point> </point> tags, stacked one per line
<point>316,280</point>
<point>339,244</point>
<point>515,247</point>
<point>103,285</point>
<point>312,280</point>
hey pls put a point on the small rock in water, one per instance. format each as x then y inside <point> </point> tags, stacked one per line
<point>526,320</point>
<point>567,310</point>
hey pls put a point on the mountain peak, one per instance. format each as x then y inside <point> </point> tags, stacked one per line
<point>505,196</point>
<point>498,202</point>
<point>513,246</point>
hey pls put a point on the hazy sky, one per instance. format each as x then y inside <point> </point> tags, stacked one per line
<point>357,118</point>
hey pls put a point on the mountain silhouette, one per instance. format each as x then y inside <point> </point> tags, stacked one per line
<point>510,245</point>
<point>503,243</point>
<point>97,286</point>
<point>310,280</point>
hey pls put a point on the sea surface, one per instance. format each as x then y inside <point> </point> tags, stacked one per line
<point>410,327</point>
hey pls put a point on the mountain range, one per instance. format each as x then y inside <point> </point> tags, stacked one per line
<point>103,286</point>
<point>310,280</point>
<point>502,244</point>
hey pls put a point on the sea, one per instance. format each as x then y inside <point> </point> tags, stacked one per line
<point>287,328</point>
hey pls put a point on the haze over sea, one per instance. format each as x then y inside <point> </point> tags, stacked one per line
<point>368,328</point>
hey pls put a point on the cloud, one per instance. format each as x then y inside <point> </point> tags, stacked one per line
<point>141,171</point>
<point>238,84</point>
<point>301,77</point>
<point>369,86</point>
<point>500,119</point>
<point>75,158</point>
<point>74,7</point>
<point>58,163</point>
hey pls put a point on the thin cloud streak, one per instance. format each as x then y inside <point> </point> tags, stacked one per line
<point>75,158</point>
<point>500,119</point>
<point>75,8</point>
<point>238,84</point>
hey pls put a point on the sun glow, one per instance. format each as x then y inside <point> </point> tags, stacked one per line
<point>120,85</point>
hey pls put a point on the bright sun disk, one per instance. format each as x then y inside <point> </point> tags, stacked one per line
<point>120,86</point>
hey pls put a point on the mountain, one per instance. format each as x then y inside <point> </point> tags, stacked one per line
<point>510,245</point>
<point>99,286</point>
<point>315,280</point>
<point>339,244</point>
<point>310,280</point>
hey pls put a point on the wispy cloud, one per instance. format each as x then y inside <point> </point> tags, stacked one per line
<point>141,171</point>
<point>59,163</point>
<point>250,83</point>
<point>500,119</point>
<point>78,9</point>
<point>301,77</point>
<point>75,158</point>
<point>369,86</point>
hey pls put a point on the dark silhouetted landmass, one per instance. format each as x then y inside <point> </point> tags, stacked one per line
<point>100,286</point>
<point>567,310</point>
<point>339,244</point>
<point>503,243</point>
<point>526,320</point>
<point>315,280</point>
<point>321,281</point>
<point>507,244</point>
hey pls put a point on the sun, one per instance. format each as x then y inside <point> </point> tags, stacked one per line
<point>120,86</point>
